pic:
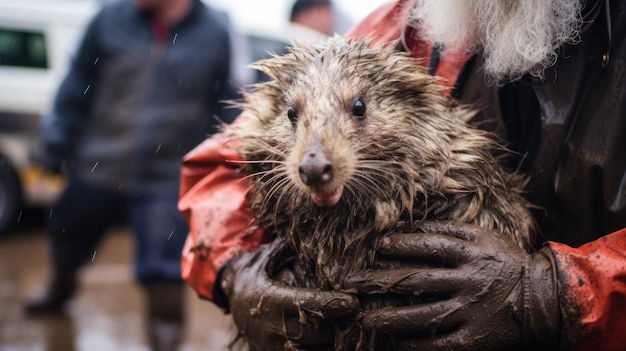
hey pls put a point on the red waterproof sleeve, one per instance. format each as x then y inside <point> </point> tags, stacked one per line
<point>213,201</point>
<point>593,299</point>
<point>382,26</point>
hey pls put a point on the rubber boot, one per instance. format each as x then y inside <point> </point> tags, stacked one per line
<point>53,298</point>
<point>165,304</point>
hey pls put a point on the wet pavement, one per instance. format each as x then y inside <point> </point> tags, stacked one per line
<point>107,312</point>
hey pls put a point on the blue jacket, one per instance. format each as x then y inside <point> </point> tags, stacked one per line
<point>132,104</point>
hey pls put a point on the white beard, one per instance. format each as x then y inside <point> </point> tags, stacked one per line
<point>516,37</point>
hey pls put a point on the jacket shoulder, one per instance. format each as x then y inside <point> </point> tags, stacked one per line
<point>117,8</point>
<point>214,17</point>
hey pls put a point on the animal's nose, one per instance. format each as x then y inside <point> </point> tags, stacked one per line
<point>315,168</point>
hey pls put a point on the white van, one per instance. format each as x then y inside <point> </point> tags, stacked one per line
<point>37,38</point>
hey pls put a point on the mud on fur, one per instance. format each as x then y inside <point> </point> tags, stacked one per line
<point>347,140</point>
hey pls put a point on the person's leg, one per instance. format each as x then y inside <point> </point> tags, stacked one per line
<point>75,226</point>
<point>160,234</point>
<point>165,314</point>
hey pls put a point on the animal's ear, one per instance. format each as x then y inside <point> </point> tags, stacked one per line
<point>278,67</point>
<point>284,68</point>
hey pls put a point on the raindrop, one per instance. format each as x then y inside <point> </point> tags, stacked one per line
<point>175,36</point>
<point>19,217</point>
<point>50,215</point>
<point>158,148</point>
<point>94,166</point>
<point>172,232</point>
<point>94,256</point>
<point>86,90</point>
<point>96,61</point>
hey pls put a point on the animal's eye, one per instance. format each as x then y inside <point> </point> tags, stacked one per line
<point>358,108</point>
<point>292,114</point>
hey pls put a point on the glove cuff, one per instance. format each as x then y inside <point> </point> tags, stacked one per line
<point>542,317</point>
<point>221,286</point>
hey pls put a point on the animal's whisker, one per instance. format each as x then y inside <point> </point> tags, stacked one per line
<point>367,184</point>
<point>257,143</point>
<point>377,169</point>
<point>248,162</point>
<point>260,174</point>
<point>267,175</point>
<point>285,192</point>
<point>280,185</point>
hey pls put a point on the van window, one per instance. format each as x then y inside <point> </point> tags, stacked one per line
<point>22,48</point>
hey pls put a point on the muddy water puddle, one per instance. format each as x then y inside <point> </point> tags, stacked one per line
<point>107,313</point>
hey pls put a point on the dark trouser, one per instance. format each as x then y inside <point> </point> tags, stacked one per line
<point>82,214</point>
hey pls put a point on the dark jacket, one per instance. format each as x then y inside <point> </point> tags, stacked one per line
<point>132,104</point>
<point>571,130</point>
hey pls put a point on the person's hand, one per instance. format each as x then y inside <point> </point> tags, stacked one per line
<point>273,315</point>
<point>489,293</point>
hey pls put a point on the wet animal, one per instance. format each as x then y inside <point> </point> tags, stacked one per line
<point>347,140</point>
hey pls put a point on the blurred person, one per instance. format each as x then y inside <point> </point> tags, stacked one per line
<point>549,77</point>
<point>144,87</point>
<point>342,22</point>
<point>311,20</point>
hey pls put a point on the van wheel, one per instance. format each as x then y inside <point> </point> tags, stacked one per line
<point>9,195</point>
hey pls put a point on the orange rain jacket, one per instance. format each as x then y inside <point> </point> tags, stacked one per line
<point>592,277</point>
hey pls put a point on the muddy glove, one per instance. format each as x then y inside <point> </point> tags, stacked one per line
<point>485,292</point>
<point>271,314</point>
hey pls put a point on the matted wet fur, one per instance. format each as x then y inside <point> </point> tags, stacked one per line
<point>347,141</point>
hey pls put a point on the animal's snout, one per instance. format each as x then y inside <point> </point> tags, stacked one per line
<point>315,167</point>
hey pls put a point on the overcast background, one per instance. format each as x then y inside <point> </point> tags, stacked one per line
<point>271,15</point>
